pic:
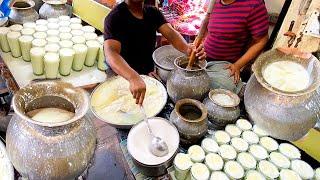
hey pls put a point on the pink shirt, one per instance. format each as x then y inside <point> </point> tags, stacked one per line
<point>232,27</point>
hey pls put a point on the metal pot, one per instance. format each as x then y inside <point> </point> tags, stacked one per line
<point>42,150</point>
<point>219,114</point>
<point>190,118</point>
<point>38,4</point>
<point>54,9</point>
<point>153,170</point>
<point>23,11</point>
<point>163,58</point>
<point>183,83</point>
<point>284,115</point>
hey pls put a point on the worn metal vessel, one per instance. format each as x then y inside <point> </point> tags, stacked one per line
<point>190,118</point>
<point>38,4</point>
<point>163,58</point>
<point>54,9</point>
<point>50,150</point>
<point>183,83</point>
<point>23,11</point>
<point>284,115</point>
<point>157,169</point>
<point>220,114</point>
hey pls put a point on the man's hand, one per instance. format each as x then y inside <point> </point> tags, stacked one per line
<point>138,89</point>
<point>155,75</point>
<point>234,71</point>
<point>200,52</point>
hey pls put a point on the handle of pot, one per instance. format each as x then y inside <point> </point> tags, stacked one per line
<point>295,52</point>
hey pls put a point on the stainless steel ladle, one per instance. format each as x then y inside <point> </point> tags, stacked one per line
<point>157,147</point>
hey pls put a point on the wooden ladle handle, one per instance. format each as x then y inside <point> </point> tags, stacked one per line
<point>192,57</point>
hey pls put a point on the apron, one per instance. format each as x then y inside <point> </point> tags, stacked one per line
<point>220,79</point>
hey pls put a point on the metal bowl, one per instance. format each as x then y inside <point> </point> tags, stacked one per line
<point>163,58</point>
<point>128,126</point>
<point>159,169</point>
<point>5,162</point>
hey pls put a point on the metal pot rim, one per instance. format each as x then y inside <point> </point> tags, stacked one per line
<point>264,58</point>
<point>55,2</point>
<point>31,3</point>
<point>227,92</point>
<point>163,68</point>
<point>78,114</point>
<point>178,60</point>
<point>171,124</point>
<point>121,126</point>
<point>193,102</point>
<point>156,62</point>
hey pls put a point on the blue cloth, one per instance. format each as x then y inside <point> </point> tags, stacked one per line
<point>220,77</point>
<point>4,8</point>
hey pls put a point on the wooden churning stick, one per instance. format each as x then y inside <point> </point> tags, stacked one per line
<point>201,34</point>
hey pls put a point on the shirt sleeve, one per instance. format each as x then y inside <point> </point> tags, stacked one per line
<point>258,23</point>
<point>159,18</point>
<point>112,27</point>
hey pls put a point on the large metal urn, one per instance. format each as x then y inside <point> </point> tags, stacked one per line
<point>54,9</point>
<point>184,83</point>
<point>23,11</point>
<point>284,115</point>
<point>50,150</point>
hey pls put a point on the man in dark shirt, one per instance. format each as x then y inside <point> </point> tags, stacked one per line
<point>130,37</point>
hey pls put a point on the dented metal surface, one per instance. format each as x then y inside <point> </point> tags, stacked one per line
<point>284,115</point>
<point>183,83</point>
<point>40,150</point>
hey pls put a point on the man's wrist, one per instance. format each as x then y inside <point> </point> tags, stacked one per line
<point>133,77</point>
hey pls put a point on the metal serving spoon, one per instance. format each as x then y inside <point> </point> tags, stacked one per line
<point>158,147</point>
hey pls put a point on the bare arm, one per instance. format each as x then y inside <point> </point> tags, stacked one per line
<point>112,50</point>
<point>174,38</point>
<point>253,51</point>
<point>117,63</point>
<point>178,42</point>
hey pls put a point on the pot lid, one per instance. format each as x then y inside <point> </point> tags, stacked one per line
<point>164,56</point>
<point>311,64</point>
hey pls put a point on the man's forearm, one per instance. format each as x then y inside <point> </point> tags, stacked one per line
<point>254,50</point>
<point>178,41</point>
<point>120,66</point>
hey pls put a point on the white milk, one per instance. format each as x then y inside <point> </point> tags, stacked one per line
<point>93,49</point>
<point>79,57</point>
<point>13,40</point>
<point>39,43</point>
<point>3,39</point>
<point>25,45</point>
<point>37,54</point>
<point>139,139</point>
<point>287,76</point>
<point>66,60</point>
<point>50,115</point>
<point>51,65</point>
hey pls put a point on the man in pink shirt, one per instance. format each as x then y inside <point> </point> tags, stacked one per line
<point>237,32</point>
